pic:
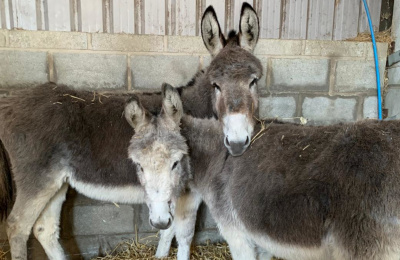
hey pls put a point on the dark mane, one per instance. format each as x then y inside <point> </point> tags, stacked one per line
<point>231,34</point>
<point>233,38</point>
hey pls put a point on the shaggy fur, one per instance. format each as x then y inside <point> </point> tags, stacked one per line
<point>52,135</point>
<point>50,130</point>
<point>301,192</point>
<point>328,188</point>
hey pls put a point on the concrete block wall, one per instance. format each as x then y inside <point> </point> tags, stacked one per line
<point>323,81</point>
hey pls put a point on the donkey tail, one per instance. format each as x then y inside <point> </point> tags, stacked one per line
<point>6,185</point>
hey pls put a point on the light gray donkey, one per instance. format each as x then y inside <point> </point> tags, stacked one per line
<point>52,136</point>
<point>299,192</point>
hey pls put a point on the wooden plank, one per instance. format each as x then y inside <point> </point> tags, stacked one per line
<point>92,15</point>
<point>3,24</point>
<point>185,17</point>
<point>154,17</point>
<point>346,19</point>
<point>270,20</point>
<point>59,15</point>
<point>123,16</point>
<point>170,17</point>
<point>219,7</point>
<point>7,15</point>
<point>24,14</point>
<point>320,20</point>
<point>374,7</point>
<point>294,19</point>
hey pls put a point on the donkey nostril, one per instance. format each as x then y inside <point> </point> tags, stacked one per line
<point>247,141</point>
<point>227,141</point>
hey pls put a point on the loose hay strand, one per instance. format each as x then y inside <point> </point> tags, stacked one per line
<point>384,36</point>
<point>78,98</point>
<point>132,249</point>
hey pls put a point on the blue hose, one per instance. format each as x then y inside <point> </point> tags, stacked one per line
<point>378,77</point>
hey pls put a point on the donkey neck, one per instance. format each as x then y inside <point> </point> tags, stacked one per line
<point>197,97</point>
<point>207,150</point>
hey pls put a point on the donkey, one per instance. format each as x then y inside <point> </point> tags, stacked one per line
<point>52,138</point>
<point>300,192</point>
<point>227,90</point>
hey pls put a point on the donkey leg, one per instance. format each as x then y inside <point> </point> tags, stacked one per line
<point>185,221</point>
<point>164,244</point>
<point>240,246</point>
<point>29,203</point>
<point>46,228</point>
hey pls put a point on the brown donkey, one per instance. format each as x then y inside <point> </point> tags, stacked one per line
<point>300,192</point>
<point>51,136</point>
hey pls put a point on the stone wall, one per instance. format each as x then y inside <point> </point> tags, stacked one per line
<point>323,81</point>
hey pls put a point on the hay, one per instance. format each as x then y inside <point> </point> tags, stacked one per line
<point>130,249</point>
<point>134,250</point>
<point>3,254</point>
<point>384,36</point>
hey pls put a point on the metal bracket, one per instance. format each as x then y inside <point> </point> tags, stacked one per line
<point>394,58</point>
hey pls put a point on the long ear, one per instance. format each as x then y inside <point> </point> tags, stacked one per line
<point>211,32</point>
<point>172,104</point>
<point>249,28</point>
<point>135,114</point>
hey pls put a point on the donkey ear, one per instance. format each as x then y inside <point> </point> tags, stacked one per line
<point>211,32</point>
<point>135,114</point>
<point>249,28</point>
<point>172,104</point>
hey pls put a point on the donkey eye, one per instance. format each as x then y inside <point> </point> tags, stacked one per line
<point>216,87</point>
<point>175,164</point>
<point>253,83</point>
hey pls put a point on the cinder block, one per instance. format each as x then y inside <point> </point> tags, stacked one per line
<point>143,224</point>
<point>127,42</point>
<point>382,48</point>
<point>300,75</point>
<point>186,44</point>
<point>370,108</point>
<point>48,40</point>
<point>149,72</point>
<point>90,71</point>
<point>3,38</point>
<point>392,102</point>
<point>394,75</point>
<point>280,107</point>
<point>335,48</point>
<point>104,219</point>
<point>324,110</point>
<point>355,76</point>
<point>22,69</point>
<point>278,47</point>
<point>90,247</point>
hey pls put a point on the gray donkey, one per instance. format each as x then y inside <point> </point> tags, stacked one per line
<point>52,136</point>
<point>299,192</point>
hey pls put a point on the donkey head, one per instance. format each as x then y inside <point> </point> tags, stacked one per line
<point>160,154</point>
<point>233,73</point>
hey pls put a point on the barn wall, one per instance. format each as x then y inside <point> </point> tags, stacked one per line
<point>323,81</point>
<point>283,19</point>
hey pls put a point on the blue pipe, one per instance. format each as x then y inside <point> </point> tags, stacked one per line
<point>378,77</point>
